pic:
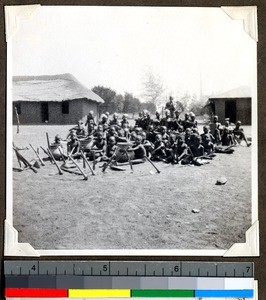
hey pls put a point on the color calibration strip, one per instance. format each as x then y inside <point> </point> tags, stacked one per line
<point>57,279</point>
<point>123,293</point>
<point>126,287</point>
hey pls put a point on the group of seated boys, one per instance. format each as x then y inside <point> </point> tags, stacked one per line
<point>168,139</point>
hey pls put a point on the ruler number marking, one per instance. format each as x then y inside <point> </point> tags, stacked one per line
<point>176,268</point>
<point>105,268</point>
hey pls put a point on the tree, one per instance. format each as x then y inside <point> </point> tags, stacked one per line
<point>108,95</point>
<point>150,106</point>
<point>152,88</point>
<point>131,104</point>
<point>119,103</point>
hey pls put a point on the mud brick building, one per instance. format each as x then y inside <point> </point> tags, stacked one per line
<point>52,99</point>
<point>234,104</point>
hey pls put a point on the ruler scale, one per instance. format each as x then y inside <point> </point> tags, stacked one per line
<point>107,279</point>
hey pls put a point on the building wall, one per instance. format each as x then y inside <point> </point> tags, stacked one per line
<point>243,111</point>
<point>78,109</point>
<point>30,113</point>
<point>220,109</point>
<point>57,117</point>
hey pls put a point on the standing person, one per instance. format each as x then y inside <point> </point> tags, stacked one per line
<point>108,116</point>
<point>215,130</point>
<point>170,106</point>
<point>90,119</point>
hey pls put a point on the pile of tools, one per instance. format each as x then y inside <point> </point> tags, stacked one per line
<point>69,164</point>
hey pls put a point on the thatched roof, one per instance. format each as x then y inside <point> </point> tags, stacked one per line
<point>51,88</point>
<point>240,92</point>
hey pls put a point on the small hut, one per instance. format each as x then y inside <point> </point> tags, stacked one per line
<point>52,99</point>
<point>234,104</point>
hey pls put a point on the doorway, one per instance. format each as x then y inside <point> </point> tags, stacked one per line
<point>44,112</point>
<point>230,110</point>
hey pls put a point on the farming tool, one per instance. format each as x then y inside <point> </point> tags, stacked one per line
<point>17,116</point>
<point>58,168</point>
<point>84,175</point>
<point>158,171</point>
<point>49,156</point>
<point>109,162</point>
<point>129,160</point>
<point>86,161</point>
<point>62,155</point>
<point>48,142</point>
<point>24,160</point>
<point>37,154</point>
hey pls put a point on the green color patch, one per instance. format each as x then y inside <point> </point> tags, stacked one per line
<point>163,293</point>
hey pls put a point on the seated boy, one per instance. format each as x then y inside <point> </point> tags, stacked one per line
<point>227,138</point>
<point>207,140</point>
<point>98,148</point>
<point>73,145</point>
<point>181,151</point>
<point>238,133</point>
<point>111,147</point>
<point>159,149</point>
<point>197,152</point>
<point>138,148</point>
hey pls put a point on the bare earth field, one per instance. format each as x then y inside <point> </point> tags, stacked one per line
<point>124,210</point>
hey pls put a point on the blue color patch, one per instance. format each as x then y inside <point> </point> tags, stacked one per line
<point>224,293</point>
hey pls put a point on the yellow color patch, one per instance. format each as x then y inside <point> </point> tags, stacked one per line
<point>98,293</point>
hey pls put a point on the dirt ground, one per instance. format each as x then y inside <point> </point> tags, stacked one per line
<point>139,210</point>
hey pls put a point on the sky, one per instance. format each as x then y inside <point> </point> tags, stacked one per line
<point>191,50</point>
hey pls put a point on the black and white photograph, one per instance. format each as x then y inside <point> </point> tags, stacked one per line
<point>132,130</point>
